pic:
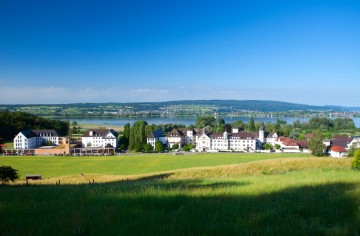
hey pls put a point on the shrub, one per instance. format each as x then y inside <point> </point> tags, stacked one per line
<point>356,162</point>
<point>148,147</point>
<point>7,173</point>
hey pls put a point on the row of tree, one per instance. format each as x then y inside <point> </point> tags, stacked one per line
<point>12,123</point>
<point>134,137</point>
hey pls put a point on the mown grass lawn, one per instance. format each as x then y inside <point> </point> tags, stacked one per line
<point>271,196</point>
<point>51,166</point>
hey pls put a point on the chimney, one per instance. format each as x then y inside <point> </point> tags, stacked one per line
<point>91,133</point>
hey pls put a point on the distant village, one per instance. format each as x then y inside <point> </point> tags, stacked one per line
<point>105,142</point>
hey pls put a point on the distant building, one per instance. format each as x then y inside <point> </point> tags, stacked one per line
<point>235,141</point>
<point>31,139</point>
<point>157,135</point>
<point>100,138</point>
<point>337,152</point>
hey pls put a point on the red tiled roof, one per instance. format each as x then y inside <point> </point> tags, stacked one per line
<point>338,149</point>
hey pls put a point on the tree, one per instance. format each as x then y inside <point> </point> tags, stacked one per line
<point>137,135</point>
<point>74,129</point>
<point>188,147</point>
<point>316,144</point>
<point>175,146</point>
<point>251,126</point>
<point>7,173</point>
<point>159,147</point>
<point>356,161</point>
<point>267,146</point>
<point>205,121</point>
<point>1,145</point>
<point>220,125</point>
<point>148,148</point>
<point>138,147</point>
<point>352,149</point>
<point>277,146</point>
<point>124,139</point>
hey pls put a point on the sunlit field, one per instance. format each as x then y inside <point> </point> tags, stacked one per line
<point>210,194</point>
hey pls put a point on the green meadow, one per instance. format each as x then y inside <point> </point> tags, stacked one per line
<point>203,194</point>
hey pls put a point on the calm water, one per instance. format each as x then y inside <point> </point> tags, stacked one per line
<point>184,120</point>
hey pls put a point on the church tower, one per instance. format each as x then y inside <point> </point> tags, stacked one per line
<point>262,134</point>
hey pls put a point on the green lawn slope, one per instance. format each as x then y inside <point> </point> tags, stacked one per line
<point>269,196</point>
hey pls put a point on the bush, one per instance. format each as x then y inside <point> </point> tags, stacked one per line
<point>7,173</point>
<point>356,162</point>
<point>175,146</point>
<point>148,148</point>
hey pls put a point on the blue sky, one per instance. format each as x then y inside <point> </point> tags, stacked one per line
<point>132,51</point>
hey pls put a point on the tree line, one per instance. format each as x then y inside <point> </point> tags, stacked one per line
<point>12,123</point>
<point>134,137</point>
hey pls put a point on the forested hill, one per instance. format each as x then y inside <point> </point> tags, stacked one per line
<point>11,123</point>
<point>185,107</point>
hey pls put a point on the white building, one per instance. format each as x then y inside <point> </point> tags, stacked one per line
<point>157,135</point>
<point>100,138</point>
<point>235,141</point>
<point>30,139</point>
<point>337,152</point>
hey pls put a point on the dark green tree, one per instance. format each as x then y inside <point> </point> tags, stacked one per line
<point>7,173</point>
<point>159,147</point>
<point>205,121</point>
<point>148,148</point>
<point>267,146</point>
<point>251,126</point>
<point>137,135</point>
<point>188,147</point>
<point>138,147</point>
<point>124,139</point>
<point>356,161</point>
<point>316,144</point>
<point>175,146</point>
<point>1,145</point>
<point>220,125</point>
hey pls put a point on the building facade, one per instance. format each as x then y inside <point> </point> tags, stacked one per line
<point>31,139</point>
<point>100,138</point>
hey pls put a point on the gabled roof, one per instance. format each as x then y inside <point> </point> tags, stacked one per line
<point>46,132</point>
<point>246,135</point>
<point>303,143</point>
<point>287,141</point>
<point>343,137</point>
<point>28,133</point>
<point>175,133</point>
<point>269,134</point>
<point>338,149</point>
<point>40,132</point>
<point>100,133</point>
<point>156,134</point>
<point>240,135</point>
<point>341,140</point>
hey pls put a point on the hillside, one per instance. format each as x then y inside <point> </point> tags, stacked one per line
<point>185,107</point>
<point>292,196</point>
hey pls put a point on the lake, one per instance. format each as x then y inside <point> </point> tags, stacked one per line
<point>184,120</point>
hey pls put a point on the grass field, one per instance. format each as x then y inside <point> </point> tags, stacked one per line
<point>127,164</point>
<point>217,194</point>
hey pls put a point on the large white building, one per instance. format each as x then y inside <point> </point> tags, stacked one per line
<point>30,139</point>
<point>234,141</point>
<point>100,138</point>
<point>208,141</point>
